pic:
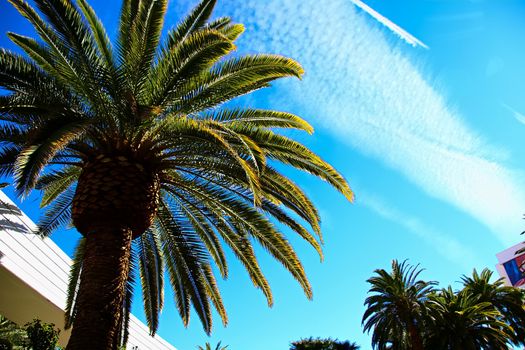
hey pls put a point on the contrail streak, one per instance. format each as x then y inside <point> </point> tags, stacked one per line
<point>403,34</point>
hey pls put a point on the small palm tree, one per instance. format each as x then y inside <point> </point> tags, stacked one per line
<point>129,143</point>
<point>459,321</point>
<point>396,309</point>
<point>207,346</point>
<point>508,301</point>
<point>323,344</point>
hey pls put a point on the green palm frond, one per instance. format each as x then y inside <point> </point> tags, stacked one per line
<point>74,282</point>
<point>185,254</point>
<point>144,36</point>
<point>34,158</point>
<point>181,65</point>
<point>57,214</point>
<point>508,301</point>
<point>151,267</point>
<point>461,321</point>
<point>208,346</point>
<point>259,118</point>
<point>196,20</point>
<point>55,183</point>
<point>103,45</point>
<point>232,78</point>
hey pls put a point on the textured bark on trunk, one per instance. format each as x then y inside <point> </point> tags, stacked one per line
<point>102,290</point>
<point>118,191</point>
<point>415,337</point>
<point>115,202</point>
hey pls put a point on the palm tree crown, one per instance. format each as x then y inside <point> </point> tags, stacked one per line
<point>208,346</point>
<point>127,141</point>
<point>395,310</point>
<point>459,321</point>
<point>508,301</point>
<point>322,344</point>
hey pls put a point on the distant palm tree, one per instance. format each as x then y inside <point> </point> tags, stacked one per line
<point>396,309</point>
<point>207,346</point>
<point>128,143</point>
<point>323,344</point>
<point>508,301</point>
<point>459,321</point>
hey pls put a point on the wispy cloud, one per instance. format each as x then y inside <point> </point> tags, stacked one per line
<point>370,94</point>
<point>403,34</point>
<point>448,247</point>
<point>517,115</point>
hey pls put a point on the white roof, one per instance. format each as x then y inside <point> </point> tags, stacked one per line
<point>44,267</point>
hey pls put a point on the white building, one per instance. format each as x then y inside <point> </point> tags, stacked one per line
<point>511,265</point>
<point>34,277</point>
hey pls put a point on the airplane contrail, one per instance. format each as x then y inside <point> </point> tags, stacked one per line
<point>519,116</point>
<point>403,34</point>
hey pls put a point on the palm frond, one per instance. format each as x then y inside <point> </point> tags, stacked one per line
<point>57,214</point>
<point>74,282</point>
<point>184,257</point>
<point>33,158</point>
<point>235,77</point>
<point>259,118</point>
<point>151,267</point>
<point>56,183</point>
<point>194,21</point>
<point>99,34</point>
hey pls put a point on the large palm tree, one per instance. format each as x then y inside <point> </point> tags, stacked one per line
<point>508,301</point>
<point>396,309</point>
<point>459,321</point>
<point>127,143</point>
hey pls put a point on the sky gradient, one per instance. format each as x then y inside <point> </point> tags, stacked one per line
<point>420,105</point>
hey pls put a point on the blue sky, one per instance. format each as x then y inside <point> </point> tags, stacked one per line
<point>420,107</point>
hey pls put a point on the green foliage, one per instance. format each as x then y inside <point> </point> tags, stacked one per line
<point>208,346</point>
<point>11,335</point>
<point>396,305</point>
<point>406,313</point>
<point>41,335</point>
<point>322,344</point>
<point>508,301</point>
<point>461,321</point>
<point>6,344</point>
<point>76,96</point>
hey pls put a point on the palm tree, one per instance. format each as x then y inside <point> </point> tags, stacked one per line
<point>217,347</point>
<point>395,310</point>
<point>508,301</point>
<point>459,321</point>
<point>323,344</point>
<point>128,144</point>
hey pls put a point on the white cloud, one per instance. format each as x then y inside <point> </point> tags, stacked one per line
<point>372,96</point>
<point>449,247</point>
<point>403,34</point>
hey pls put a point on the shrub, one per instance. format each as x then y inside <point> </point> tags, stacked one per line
<point>42,336</point>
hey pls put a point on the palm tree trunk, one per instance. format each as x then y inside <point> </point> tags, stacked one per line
<point>102,289</point>
<point>415,337</point>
